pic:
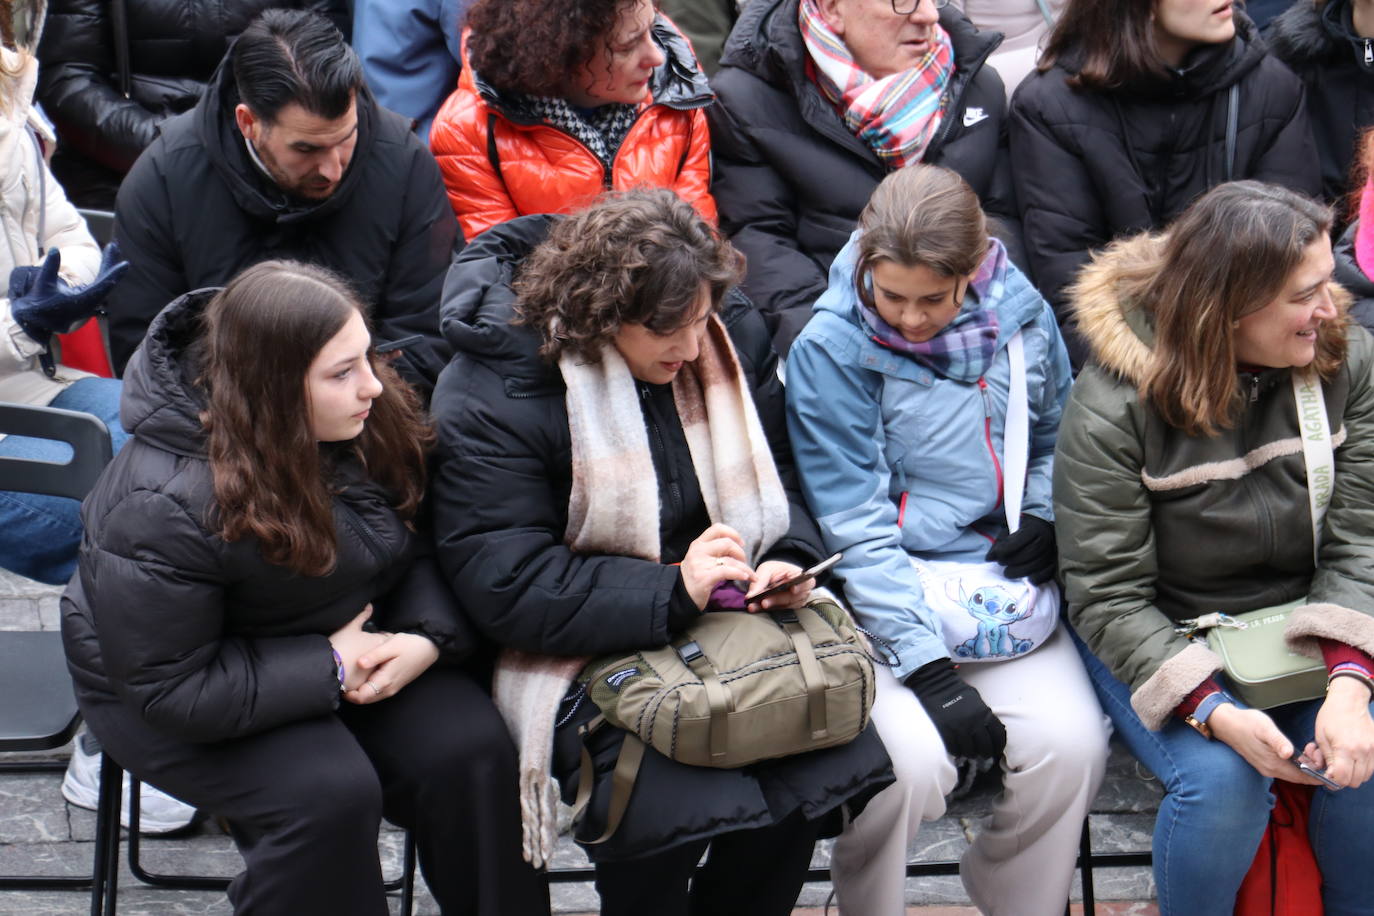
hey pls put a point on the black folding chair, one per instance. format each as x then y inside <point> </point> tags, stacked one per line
<point>40,712</point>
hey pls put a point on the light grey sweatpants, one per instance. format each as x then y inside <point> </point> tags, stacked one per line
<point>1021,863</point>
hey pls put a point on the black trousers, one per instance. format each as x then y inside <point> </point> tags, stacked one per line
<point>305,801</point>
<point>746,873</point>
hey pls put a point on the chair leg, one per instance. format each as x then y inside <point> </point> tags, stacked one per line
<point>178,882</point>
<point>405,881</point>
<point>1085,865</point>
<point>408,875</point>
<point>105,886</point>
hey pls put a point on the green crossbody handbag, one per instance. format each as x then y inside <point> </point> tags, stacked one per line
<point>1262,670</point>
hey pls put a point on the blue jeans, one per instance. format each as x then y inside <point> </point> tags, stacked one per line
<point>1216,806</point>
<point>39,534</point>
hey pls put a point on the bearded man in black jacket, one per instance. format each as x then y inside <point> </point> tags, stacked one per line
<point>287,155</point>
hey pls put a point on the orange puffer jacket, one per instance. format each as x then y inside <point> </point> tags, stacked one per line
<point>534,167</point>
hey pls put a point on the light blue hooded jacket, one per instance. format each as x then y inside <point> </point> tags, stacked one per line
<point>873,429</point>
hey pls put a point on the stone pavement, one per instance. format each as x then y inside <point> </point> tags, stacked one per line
<point>41,834</point>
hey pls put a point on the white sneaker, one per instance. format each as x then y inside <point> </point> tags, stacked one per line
<point>158,812</point>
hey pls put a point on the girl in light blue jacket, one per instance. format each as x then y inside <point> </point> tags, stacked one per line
<point>898,394</point>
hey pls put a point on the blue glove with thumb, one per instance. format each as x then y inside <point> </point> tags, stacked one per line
<point>44,304</point>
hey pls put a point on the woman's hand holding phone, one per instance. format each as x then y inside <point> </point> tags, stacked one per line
<point>771,573</point>
<point>1253,735</point>
<point>1345,733</point>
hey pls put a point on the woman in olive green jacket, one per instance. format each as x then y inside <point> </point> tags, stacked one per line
<point>1181,488</point>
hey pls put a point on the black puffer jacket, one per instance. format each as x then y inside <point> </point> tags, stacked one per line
<point>1337,67</point>
<point>203,638</point>
<point>790,177</point>
<point>1094,166</point>
<point>501,506</point>
<point>195,211</point>
<point>174,46</point>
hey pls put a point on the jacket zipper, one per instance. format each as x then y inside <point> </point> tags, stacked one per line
<point>371,538</point>
<point>674,493</point>
<point>1368,52</point>
<point>987,434</point>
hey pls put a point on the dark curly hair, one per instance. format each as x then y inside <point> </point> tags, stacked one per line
<point>633,257</point>
<point>536,46</point>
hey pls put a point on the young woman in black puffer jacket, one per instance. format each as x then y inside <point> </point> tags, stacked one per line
<point>257,624</point>
<point>1127,122</point>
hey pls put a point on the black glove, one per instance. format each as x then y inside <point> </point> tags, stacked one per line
<point>44,304</point>
<point>966,725</point>
<point>1030,552</point>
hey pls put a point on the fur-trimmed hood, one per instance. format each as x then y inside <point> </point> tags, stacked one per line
<point>1119,334</point>
<point>1305,35</point>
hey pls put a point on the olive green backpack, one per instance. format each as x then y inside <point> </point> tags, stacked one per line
<point>733,689</point>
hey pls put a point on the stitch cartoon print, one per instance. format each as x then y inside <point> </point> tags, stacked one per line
<point>995,610</point>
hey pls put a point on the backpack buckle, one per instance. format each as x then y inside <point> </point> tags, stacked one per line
<point>689,652</point>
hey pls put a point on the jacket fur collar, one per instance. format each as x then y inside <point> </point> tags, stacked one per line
<point>1305,35</point>
<point>1120,334</point>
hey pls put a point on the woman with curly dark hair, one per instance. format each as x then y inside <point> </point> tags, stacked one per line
<point>602,94</point>
<point>579,500</point>
<point>258,627</point>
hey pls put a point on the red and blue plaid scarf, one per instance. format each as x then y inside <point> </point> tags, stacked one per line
<point>896,116</point>
<point>963,349</point>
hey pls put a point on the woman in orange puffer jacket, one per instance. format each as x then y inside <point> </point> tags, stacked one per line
<point>602,94</point>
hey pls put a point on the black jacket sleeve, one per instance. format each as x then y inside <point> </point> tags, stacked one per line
<point>147,241</point>
<point>76,86</point>
<point>802,543</point>
<point>156,592</point>
<point>758,210</point>
<point>408,302</point>
<point>499,521</point>
<point>423,603</point>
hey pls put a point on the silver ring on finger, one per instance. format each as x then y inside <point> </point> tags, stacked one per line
<point>720,561</point>
<point>376,691</point>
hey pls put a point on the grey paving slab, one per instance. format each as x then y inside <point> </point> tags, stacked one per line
<point>32,810</point>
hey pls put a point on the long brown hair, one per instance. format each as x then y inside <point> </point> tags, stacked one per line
<point>260,335</point>
<point>921,216</point>
<point>1229,254</point>
<point>1112,42</point>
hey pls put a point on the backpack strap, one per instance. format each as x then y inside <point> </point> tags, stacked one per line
<point>802,642</point>
<point>622,780</point>
<point>716,695</point>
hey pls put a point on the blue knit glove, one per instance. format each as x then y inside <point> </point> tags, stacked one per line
<point>44,304</point>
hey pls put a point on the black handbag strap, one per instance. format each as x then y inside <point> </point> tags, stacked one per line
<point>622,780</point>
<point>1232,125</point>
<point>119,24</point>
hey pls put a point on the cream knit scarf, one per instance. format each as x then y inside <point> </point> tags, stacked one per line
<point>614,509</point>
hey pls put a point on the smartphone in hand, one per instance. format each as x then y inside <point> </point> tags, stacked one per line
<point>785,584</point>
<point>1315,773</point>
